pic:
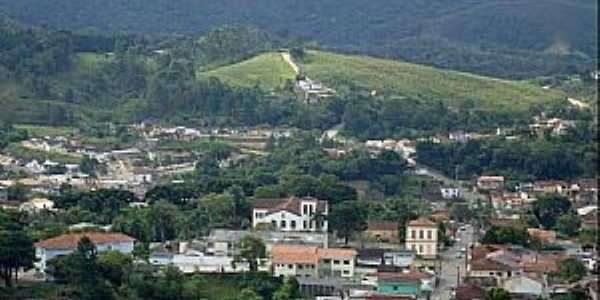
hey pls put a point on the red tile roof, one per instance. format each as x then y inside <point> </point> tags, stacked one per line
<point>69,241</point>
<point>470,292</point>
<point>412,276</point>
<point>484,264</point>
<point>380,225</point>
<point>294,254</point>
<point>291,204</point>
<point>422,221</point>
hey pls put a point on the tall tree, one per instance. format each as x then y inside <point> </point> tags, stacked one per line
<point>250,250</point>
<point>347,219</point>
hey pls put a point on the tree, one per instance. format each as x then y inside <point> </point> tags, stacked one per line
<point>571,270</point>
<point>16,252</point>
<point>568,224</point>
<point>250,250</point>
<point>114,265</point>
<point>248,294</point>
<point>548,209</point>
<point>506,235</point>
<point>163,217</point>
<point>499,294</point>
<point>347,219</point>
<point>288,290</point>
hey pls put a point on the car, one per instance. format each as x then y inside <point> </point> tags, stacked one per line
<point>459,255</point>
<point>463,250</point>
<point>462,228</point>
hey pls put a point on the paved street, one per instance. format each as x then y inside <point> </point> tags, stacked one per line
<point>450,262</point>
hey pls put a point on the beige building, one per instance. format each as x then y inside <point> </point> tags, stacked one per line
<point>312,261</point>
<point>422,237</point>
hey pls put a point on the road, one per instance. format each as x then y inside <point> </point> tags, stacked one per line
<point>288,58</point>
<point>451,264</point>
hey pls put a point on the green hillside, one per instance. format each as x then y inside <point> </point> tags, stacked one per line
<point>268,71</point>
<point>417,81</point>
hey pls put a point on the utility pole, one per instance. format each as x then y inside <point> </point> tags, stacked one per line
<point>458,275</point>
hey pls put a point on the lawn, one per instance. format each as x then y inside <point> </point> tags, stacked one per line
<point>18,151</point>
<point>42,131</point>
<point>411,80</point>
<point>268,71</point>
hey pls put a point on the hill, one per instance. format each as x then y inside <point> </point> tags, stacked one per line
<point>509,39</point>
<point>416,81</point>
<point>268,71</point>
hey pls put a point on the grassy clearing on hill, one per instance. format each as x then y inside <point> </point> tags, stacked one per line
<point>268,71</point>
<point>17,150</point>
<point>398,78</point>
<point>42,131</point>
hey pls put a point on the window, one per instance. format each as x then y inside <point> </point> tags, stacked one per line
<point>327,261</point>
<point>346,262</point>
<point>290,266</point>
<point>346,272</point>
<point>300,267</point>
<point>336,262</point>
<point>293,224</point>
<point>420,249</point>
<point>304,209</point>
<point>428,248</point>
<point>413,234</point>
<point>429,235</point>
<point>274,223</point>
<point>491,273</point>
<point>304,225</point>
<point>421,234</point>
<point>283,224</point>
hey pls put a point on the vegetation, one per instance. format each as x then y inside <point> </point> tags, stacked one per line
<point>494,38</point>
<point>424,83</point>
<point>268,71</point>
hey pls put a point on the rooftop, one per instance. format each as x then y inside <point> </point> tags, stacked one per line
<point>291,204</point>
<point>422,221</point>
<point>381,225</point>
<point>70,241</point>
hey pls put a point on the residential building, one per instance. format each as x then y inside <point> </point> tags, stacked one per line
<point>488,183</point>
<point>408,283</point>
<point>470,292</point>
<point>422,237</point>
<point>67,243</point>
<point>551,187</point>
<point>450,193</point>
<point>311,261</point>
<point>383,231</point>
<point>291,214</point>
<point>37,204</point>
<point>545,236</point>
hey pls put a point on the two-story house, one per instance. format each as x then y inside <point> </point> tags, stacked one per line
<point>67,243</point>
<point>291,214</point>
<point>311,261</point>
<point>422,237</point>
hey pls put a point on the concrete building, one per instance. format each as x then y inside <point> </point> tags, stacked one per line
<point>67,243</point>
<point>291,214</point>
<point>311,261</point>
<point>422,237</point>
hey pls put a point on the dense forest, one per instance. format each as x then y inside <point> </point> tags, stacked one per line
<point>514,39</point>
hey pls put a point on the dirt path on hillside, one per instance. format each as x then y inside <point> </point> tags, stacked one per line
<point>288,58</point>
<point>578,103</point>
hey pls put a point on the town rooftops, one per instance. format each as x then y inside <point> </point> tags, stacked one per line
<point>294,254</point>
<point>300,254</point>
<point>410,276</point>
<point>291,204</point>
<point>486,264</point>
<point>470,292</point>
<point>70,241</point>
<point>422,221</point>
<point>380,225</point>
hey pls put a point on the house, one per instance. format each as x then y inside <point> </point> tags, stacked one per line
<point>291,214</point>
<point>470,292</point>
<point>408,283</point>
<point>449,193</point>
<point>383,231</point>
<point>488,269</point>
<point>545,236</point>
<point>551,187</point>
<point>489,183</point>
<point>67,243</point>
<point>223,242</point>
<point>523,286</point>
<point>422,237</point>
<point>311,261</point>
<point>505,200</point>
<point>37,204</point>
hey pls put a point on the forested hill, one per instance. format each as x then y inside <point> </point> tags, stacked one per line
<point>516,39</point>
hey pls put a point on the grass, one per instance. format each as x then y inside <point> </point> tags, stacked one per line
<point>417,81</point>
<point>18,151</point>
<point>43,131</point>
<point>268,71</point>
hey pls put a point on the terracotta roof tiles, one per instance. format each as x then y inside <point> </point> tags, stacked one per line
<point>70,241</point>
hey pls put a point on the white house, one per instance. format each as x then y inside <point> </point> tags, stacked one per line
<point>311,261</point>
<point>291,214</point>
<point>67,243</point>
<point>422,237</point>
<point>450,192</point>
<point>37,204</point>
